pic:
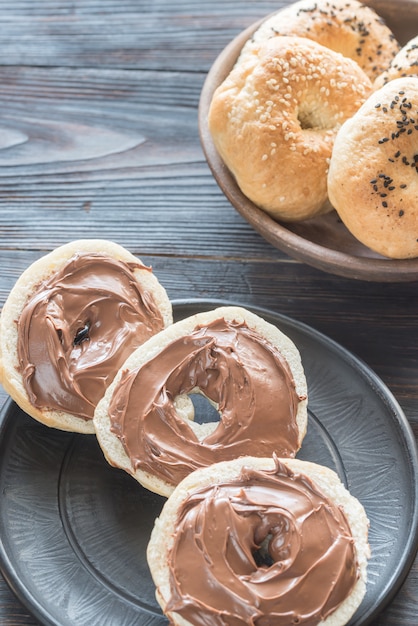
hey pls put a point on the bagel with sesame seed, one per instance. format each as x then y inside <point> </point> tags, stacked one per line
<point>373,175</point>
<point>274,118</point>
<point>346,26</point>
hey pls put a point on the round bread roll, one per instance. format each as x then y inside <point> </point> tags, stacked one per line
<point>274,118</point>
<point>405,63</point>
<point>346,26</point>
<point>69,323</point>
<point>373,176</point>
<point>257,541</point>
<point>246,368</point>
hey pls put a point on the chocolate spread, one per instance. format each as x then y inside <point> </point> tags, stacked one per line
<point>235,368</point>
<point>265,549</point>
<point>78,328</point>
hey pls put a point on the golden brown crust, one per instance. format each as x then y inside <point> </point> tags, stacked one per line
<point>40,270</point>
<point>404,64</point>
<point>373,177</point>
<point>346,26</point>
<point>274,119</point>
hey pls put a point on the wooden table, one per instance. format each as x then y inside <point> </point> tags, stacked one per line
<point>99,138</point>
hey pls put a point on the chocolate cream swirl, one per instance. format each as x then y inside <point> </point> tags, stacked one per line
<point>238,370</point>
<point>78,328</point>
<point>267,548</point>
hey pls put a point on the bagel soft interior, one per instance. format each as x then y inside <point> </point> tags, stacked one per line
<point>246,542</point>
<point>69,322</point>
<point>246,366</point>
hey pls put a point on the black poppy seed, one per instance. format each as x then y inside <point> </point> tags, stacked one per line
<point>391,188</point>
<point>391,160</point>
<point>383,195</point>
<point>384,109</point>
<point>377,106</point>
<point>398,154</point>
<point>373,181</point>
<point>403,186</point>
<point>409,131</point>
<point>401,212</point>
<point>385,204</point>
<point>375,187</point>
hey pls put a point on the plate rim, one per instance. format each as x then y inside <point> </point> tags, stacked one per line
<point>275,232</point>
<point>397,578</point>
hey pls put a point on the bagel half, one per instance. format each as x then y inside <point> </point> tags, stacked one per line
<point>69,322</point>
<point>245,366</point>
<point>205,548</point>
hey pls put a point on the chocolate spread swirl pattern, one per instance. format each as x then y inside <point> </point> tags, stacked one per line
<point>259,546</point>
<point>233,366</point>
<point>78,328</point>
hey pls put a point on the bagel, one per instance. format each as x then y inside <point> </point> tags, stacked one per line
<point>274,118</point>
<point>346,26</point>
<point>373,176</point>
<point>260,541</point>
<point>246,367</point>
<point>68,324</point>
<point>405,63</point>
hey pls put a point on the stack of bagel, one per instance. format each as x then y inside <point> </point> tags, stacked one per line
<point>248,532</point>
<point>320,112</point>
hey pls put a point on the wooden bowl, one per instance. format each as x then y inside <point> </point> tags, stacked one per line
<point>322,242</point>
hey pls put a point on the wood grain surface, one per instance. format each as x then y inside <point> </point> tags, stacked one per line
<point>99,138</point>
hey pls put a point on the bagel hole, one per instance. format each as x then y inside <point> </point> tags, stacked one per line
<point>262,555</point>
<point>204,411</point>
<point>309,119</point>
